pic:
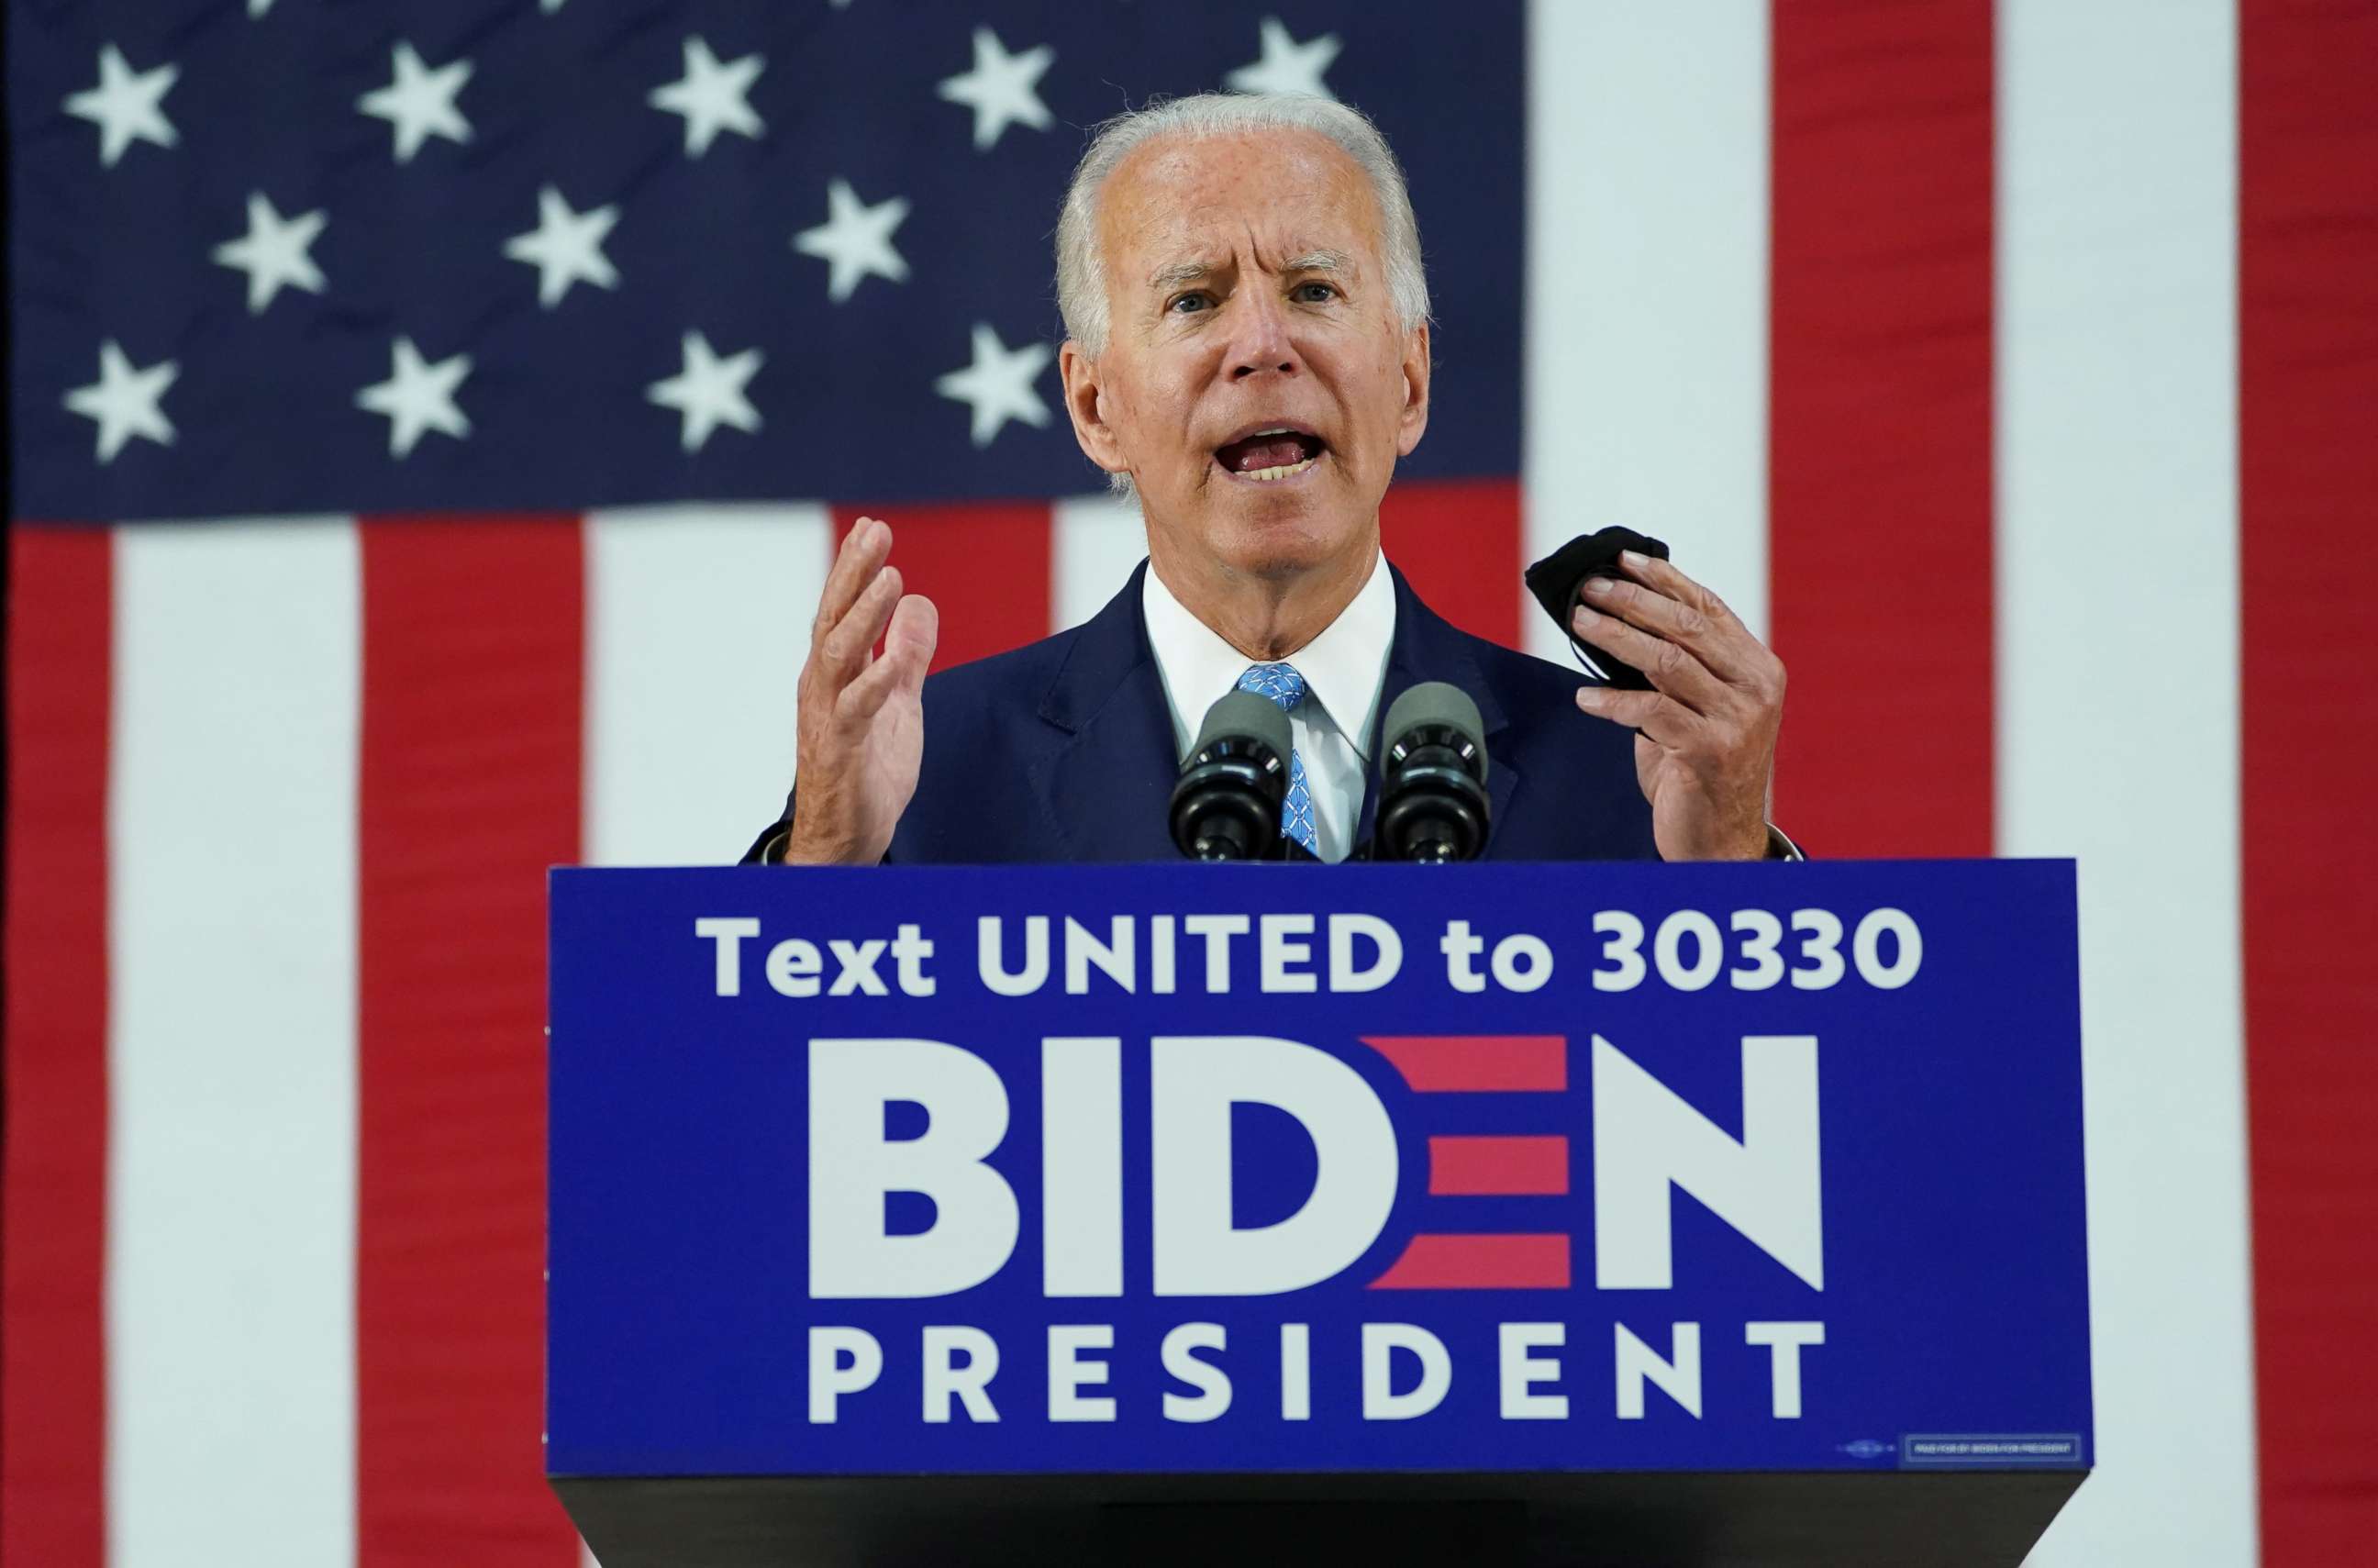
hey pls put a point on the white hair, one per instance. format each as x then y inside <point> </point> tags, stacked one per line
<point>1081,266</point>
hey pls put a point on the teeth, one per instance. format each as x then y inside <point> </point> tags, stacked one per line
<point>1281,473</point>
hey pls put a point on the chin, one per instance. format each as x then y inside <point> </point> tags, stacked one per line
<point>1265,533</point>
<point>1285,545</point>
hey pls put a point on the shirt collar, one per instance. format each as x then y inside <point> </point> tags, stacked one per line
<point>1342,668</point>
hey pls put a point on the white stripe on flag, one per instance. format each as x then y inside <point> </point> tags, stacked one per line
<point>1094,540</point>
<point>231,1045</point>
<point>2117,641</point>
<point>697,623</point>
<point>1646,374</point>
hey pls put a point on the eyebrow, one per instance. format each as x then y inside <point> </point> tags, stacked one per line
<point>1323,261</point>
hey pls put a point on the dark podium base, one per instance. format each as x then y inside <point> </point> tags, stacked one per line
<point>1924,1520</point>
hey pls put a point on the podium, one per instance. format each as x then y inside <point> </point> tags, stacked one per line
<point>1588,1213</point>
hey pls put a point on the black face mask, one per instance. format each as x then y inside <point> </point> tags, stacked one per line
<point>1558,582</point>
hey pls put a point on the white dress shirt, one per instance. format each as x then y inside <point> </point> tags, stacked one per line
<point>1342,668</point>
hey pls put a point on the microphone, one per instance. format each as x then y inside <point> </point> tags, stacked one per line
<point>1432,777</point>
<point>1226,805</point>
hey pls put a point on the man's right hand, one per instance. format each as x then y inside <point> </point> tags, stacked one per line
<point>862,717</point>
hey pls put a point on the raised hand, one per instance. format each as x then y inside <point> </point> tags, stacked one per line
<point>1705,733</point>
<point>862,717</point>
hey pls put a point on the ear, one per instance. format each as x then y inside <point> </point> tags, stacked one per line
<point>1413,419</point>
<point>1086,406</point>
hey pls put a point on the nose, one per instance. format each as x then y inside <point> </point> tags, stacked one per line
<point>1261,343</point>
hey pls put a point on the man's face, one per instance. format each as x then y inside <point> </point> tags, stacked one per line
<point>1246,293</point>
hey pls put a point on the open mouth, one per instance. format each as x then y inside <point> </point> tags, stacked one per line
<point>1270,455</point>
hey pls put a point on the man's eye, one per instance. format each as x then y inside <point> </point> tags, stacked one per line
<point>1186,299</point>
<point>1328,289</point>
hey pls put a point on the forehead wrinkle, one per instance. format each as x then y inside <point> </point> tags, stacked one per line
<point>1187,180</point>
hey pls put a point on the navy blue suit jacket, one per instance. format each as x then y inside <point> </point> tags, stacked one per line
<point>1063,751</point>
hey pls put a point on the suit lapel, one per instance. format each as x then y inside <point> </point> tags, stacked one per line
<point>1426,647</point>
<point>1108,779</point>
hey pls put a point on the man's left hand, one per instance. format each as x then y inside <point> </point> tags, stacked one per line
<point>1705,733</point>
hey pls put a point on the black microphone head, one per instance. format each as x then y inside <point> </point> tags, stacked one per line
<point>1438,706</point>
<point>1226,805</point>
<point>1432,801</point>
<point>1247,716</point>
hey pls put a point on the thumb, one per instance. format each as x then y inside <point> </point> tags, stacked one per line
<point>910,639</point>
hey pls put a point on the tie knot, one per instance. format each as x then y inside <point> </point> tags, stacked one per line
<point>1280,682</point>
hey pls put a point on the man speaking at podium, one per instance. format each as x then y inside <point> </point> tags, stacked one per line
<point>1248,351</point>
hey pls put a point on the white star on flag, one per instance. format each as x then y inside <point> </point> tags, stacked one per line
<point>127,107</point>
<point>124,401</point>
<point>712,97</point>
<point>419,102</point>
<point>417,397</point>
<point>1287,66</point>
<point>857,239</point>
<point>1001,89</point>
<point>566,247</point>
<point>998,385</point>
<point>709,392</point>
<point>274,252</point>
<point>258,8</point>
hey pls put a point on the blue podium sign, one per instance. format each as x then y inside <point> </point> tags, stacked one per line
<point>1256,1170</point>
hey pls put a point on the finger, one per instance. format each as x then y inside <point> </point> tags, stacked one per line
<point>1671,580</point>
<point>907,653</point>
<point>1720,641</point>
<point>864,548</point>
<point>1751,665</point>
<point>1652,715</point>
<point>1668,666</point>
<point>846,649</point>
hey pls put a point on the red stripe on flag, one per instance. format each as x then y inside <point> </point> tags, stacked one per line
<point>1441,1063</point>
<point>1458,541</point>
<point>1479,1262</point>
<point>1879,424</point>
<point>986,565</point>
<point>54,1198</point>
<point>2308,462</point>
<point>1465,1167</point>
<point>469,785</point>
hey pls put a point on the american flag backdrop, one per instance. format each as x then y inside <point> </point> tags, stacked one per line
<point>431,419</point>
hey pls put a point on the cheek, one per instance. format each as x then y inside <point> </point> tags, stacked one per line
<point>1373,400</point>
<point>1169,415</point>
<point>1376,412</point>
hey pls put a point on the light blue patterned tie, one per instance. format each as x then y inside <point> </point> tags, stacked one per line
<point>1283,685</point>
